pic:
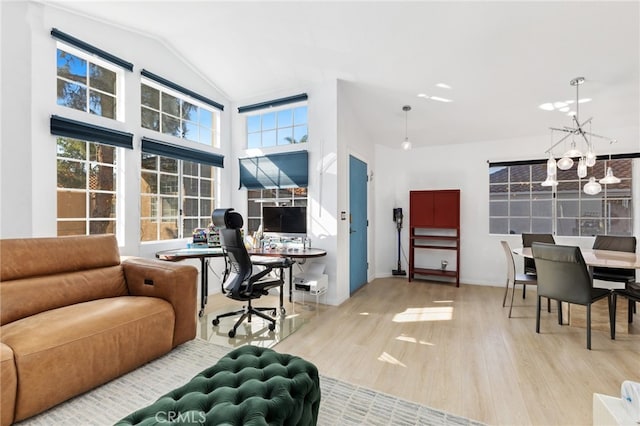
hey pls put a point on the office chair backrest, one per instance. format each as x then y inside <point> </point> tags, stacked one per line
<point>527,240</point>
<point>511,267</point>
<point>562,273</point>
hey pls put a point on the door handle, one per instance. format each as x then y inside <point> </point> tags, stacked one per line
<point>351,231</point>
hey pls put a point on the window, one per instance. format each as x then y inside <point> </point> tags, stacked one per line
<point>256,198</point>
<point>277,128</point>
<point>86,194</point>
<point>176,196</point>
<point>171,113</point>
<point>518,203</point>
<point>86,83</point>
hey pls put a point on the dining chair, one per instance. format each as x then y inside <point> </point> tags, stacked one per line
<point>529,263</point>
<point>632,293</point>
<point>563,275</point>
<point>512,277</point>
<point>615,243</point>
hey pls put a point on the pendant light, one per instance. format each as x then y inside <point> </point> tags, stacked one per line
<point>582,167</point>
<point>592,187</point>
<point>609,178</point>
<point>406,145</point>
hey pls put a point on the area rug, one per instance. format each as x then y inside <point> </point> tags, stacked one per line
<point>342,403</point>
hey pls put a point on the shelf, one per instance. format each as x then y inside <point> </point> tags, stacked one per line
<point>438,272</point>
<point>434,237</point>
<point>429,246</point>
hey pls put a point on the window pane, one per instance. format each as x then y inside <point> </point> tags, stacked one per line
<point>591,227</point>
<point>568,189</point>
<point>253,140</point>
<point>253,124</point>
<point>148,206</point>
<point>102,205</point>
<point>189,225</point>
<point>568,227</point>
<point>300,134</point>
<point>518,226</point>
<point>205,118</point>
<point>253,225</point>
<point>102,79</point>
<point>568,208</point>
<point>72,148</point>
<point>520,173</point>
<point>285,136</point>
<point>72,174</point>
<point>149,161</point>
<point>189,111</point>
<point>520,208</point>
<point>190,207</point>
<point>72,95</point>
<point>169,229</point>
<point>102,105</point>
<point>498,175</point>
<point>148,230</point>
<point>71,67</point>
<point>150,97</point>
<point>102,227</point>
<point>300,115</point>
<point>190,168</point>
<point>150,119</point>
<point>190,187</point>
<point>621,168</point>
<point>170,105</point>
<point>206,171</point>
<point>539,172</point>
<point>171,126</point>
<point>72,204</point>
<point>269,138</point>
<point>285,118</point>
<point>169,206</point>
<point>168,184</point>
<point>72,228</point>
<point>541,208</point>
<point>500,208</point>
<point>206,207</point>
<point>619,209</point>
<point>206,189</point>
<point>205,136</point>
<point>621,227</point>
<point>190,131</point>
<point>498,225</point>
<point>269,121</point>
<point>102,153</point>
<point>254,209</point>
<point>169,165</point>
<point>542,226</point>
<point>520,190</point>
<point>102,178</point>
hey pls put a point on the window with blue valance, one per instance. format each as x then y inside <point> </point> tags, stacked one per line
<point>282,170</point>
<point>66,127</point>
<point>152,146</point>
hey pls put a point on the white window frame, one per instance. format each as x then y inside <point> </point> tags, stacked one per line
<point>261,132</point>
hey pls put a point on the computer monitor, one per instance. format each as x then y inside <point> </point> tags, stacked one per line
<point>284,220</point>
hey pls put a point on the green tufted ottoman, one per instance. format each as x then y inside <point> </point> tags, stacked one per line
<point>248,386</point>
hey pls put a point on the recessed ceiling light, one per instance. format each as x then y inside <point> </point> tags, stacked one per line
<point>547,107</point>
<point>443,86</point>
<point>569,102</point>
<point>559,105</point>
<point>584,100</point>
<point>422,95</point>
<point>571,113</point>
<point>564,109</point>
<point>439,99</point>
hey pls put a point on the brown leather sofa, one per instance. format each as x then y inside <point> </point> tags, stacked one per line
<point>73,316</point>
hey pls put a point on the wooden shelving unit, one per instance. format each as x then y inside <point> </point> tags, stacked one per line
<point>434,224</point>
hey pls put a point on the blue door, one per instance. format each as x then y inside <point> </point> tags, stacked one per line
<point>357,224</point>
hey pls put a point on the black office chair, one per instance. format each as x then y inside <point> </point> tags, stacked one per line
<point>610,242</point>
<point>563,275</point>
<point>632,293</point>
<point>241,284</point>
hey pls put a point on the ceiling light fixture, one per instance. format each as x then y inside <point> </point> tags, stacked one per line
<point>406,145</point>
<point>592,187</point>
<point>609,178</point>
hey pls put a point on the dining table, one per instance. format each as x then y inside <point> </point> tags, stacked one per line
<point>576,314</point>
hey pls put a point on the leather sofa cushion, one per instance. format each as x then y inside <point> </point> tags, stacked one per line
<point>24,297</point>
<point>8,384</point>
<point>66,351</point>
<point>248,386</point>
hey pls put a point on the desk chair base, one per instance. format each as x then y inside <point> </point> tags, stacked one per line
<point>246,313</point>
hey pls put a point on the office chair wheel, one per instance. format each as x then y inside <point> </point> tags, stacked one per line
<point>272,326</point>
<point>283,311</point>
<point>216,321</point>
<point>232,333</point>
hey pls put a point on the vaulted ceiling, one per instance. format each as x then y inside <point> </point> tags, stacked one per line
<point>501,60</point>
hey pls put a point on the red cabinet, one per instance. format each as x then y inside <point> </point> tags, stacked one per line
<point>434,223</point>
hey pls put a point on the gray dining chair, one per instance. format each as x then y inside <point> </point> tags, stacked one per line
<point>615,243</point>
<point>563,275</point>
<point>513,277</point>
<point>632,293</point>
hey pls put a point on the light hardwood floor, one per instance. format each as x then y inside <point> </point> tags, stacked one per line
<point>454,349</point>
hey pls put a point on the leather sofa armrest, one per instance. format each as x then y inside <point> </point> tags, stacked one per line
<point>9,387</point>
<point>175,283</point>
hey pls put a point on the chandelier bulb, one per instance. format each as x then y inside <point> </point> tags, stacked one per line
<point>592,187</point>
<point>582,168</point>
<point>565,163</point>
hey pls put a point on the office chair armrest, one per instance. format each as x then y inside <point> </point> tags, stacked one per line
<point>261,274</point>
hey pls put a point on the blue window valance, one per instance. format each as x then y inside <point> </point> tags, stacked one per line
<point>273,103</point>
<point>181,89</point>
<point>152,146</point>
<point>282,170</point>
<point>69,39</point>
<point>66,127</point>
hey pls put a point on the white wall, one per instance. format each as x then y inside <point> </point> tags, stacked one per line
<point>465,167</point>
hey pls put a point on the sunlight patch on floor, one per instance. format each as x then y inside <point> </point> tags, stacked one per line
<point>385,357</point>
<point>444,313</point>
<point>404,338</point>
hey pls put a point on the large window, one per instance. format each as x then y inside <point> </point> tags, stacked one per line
<point>86,196</point>
<point>176,196</point>
<point>87,83</point>
<point>518,203</point>
<point>171,113</point>
<point>256,198</point>
<point>277,128</point>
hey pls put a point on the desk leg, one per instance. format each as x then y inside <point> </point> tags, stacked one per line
<point>283,311</point>
<point>204,284</point>
<point>291,282</point>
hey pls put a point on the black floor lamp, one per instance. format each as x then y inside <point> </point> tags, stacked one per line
<point>397,218</point>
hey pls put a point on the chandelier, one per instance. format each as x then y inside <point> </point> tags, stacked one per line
<point>586,160</point>
<point>406,144</point>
